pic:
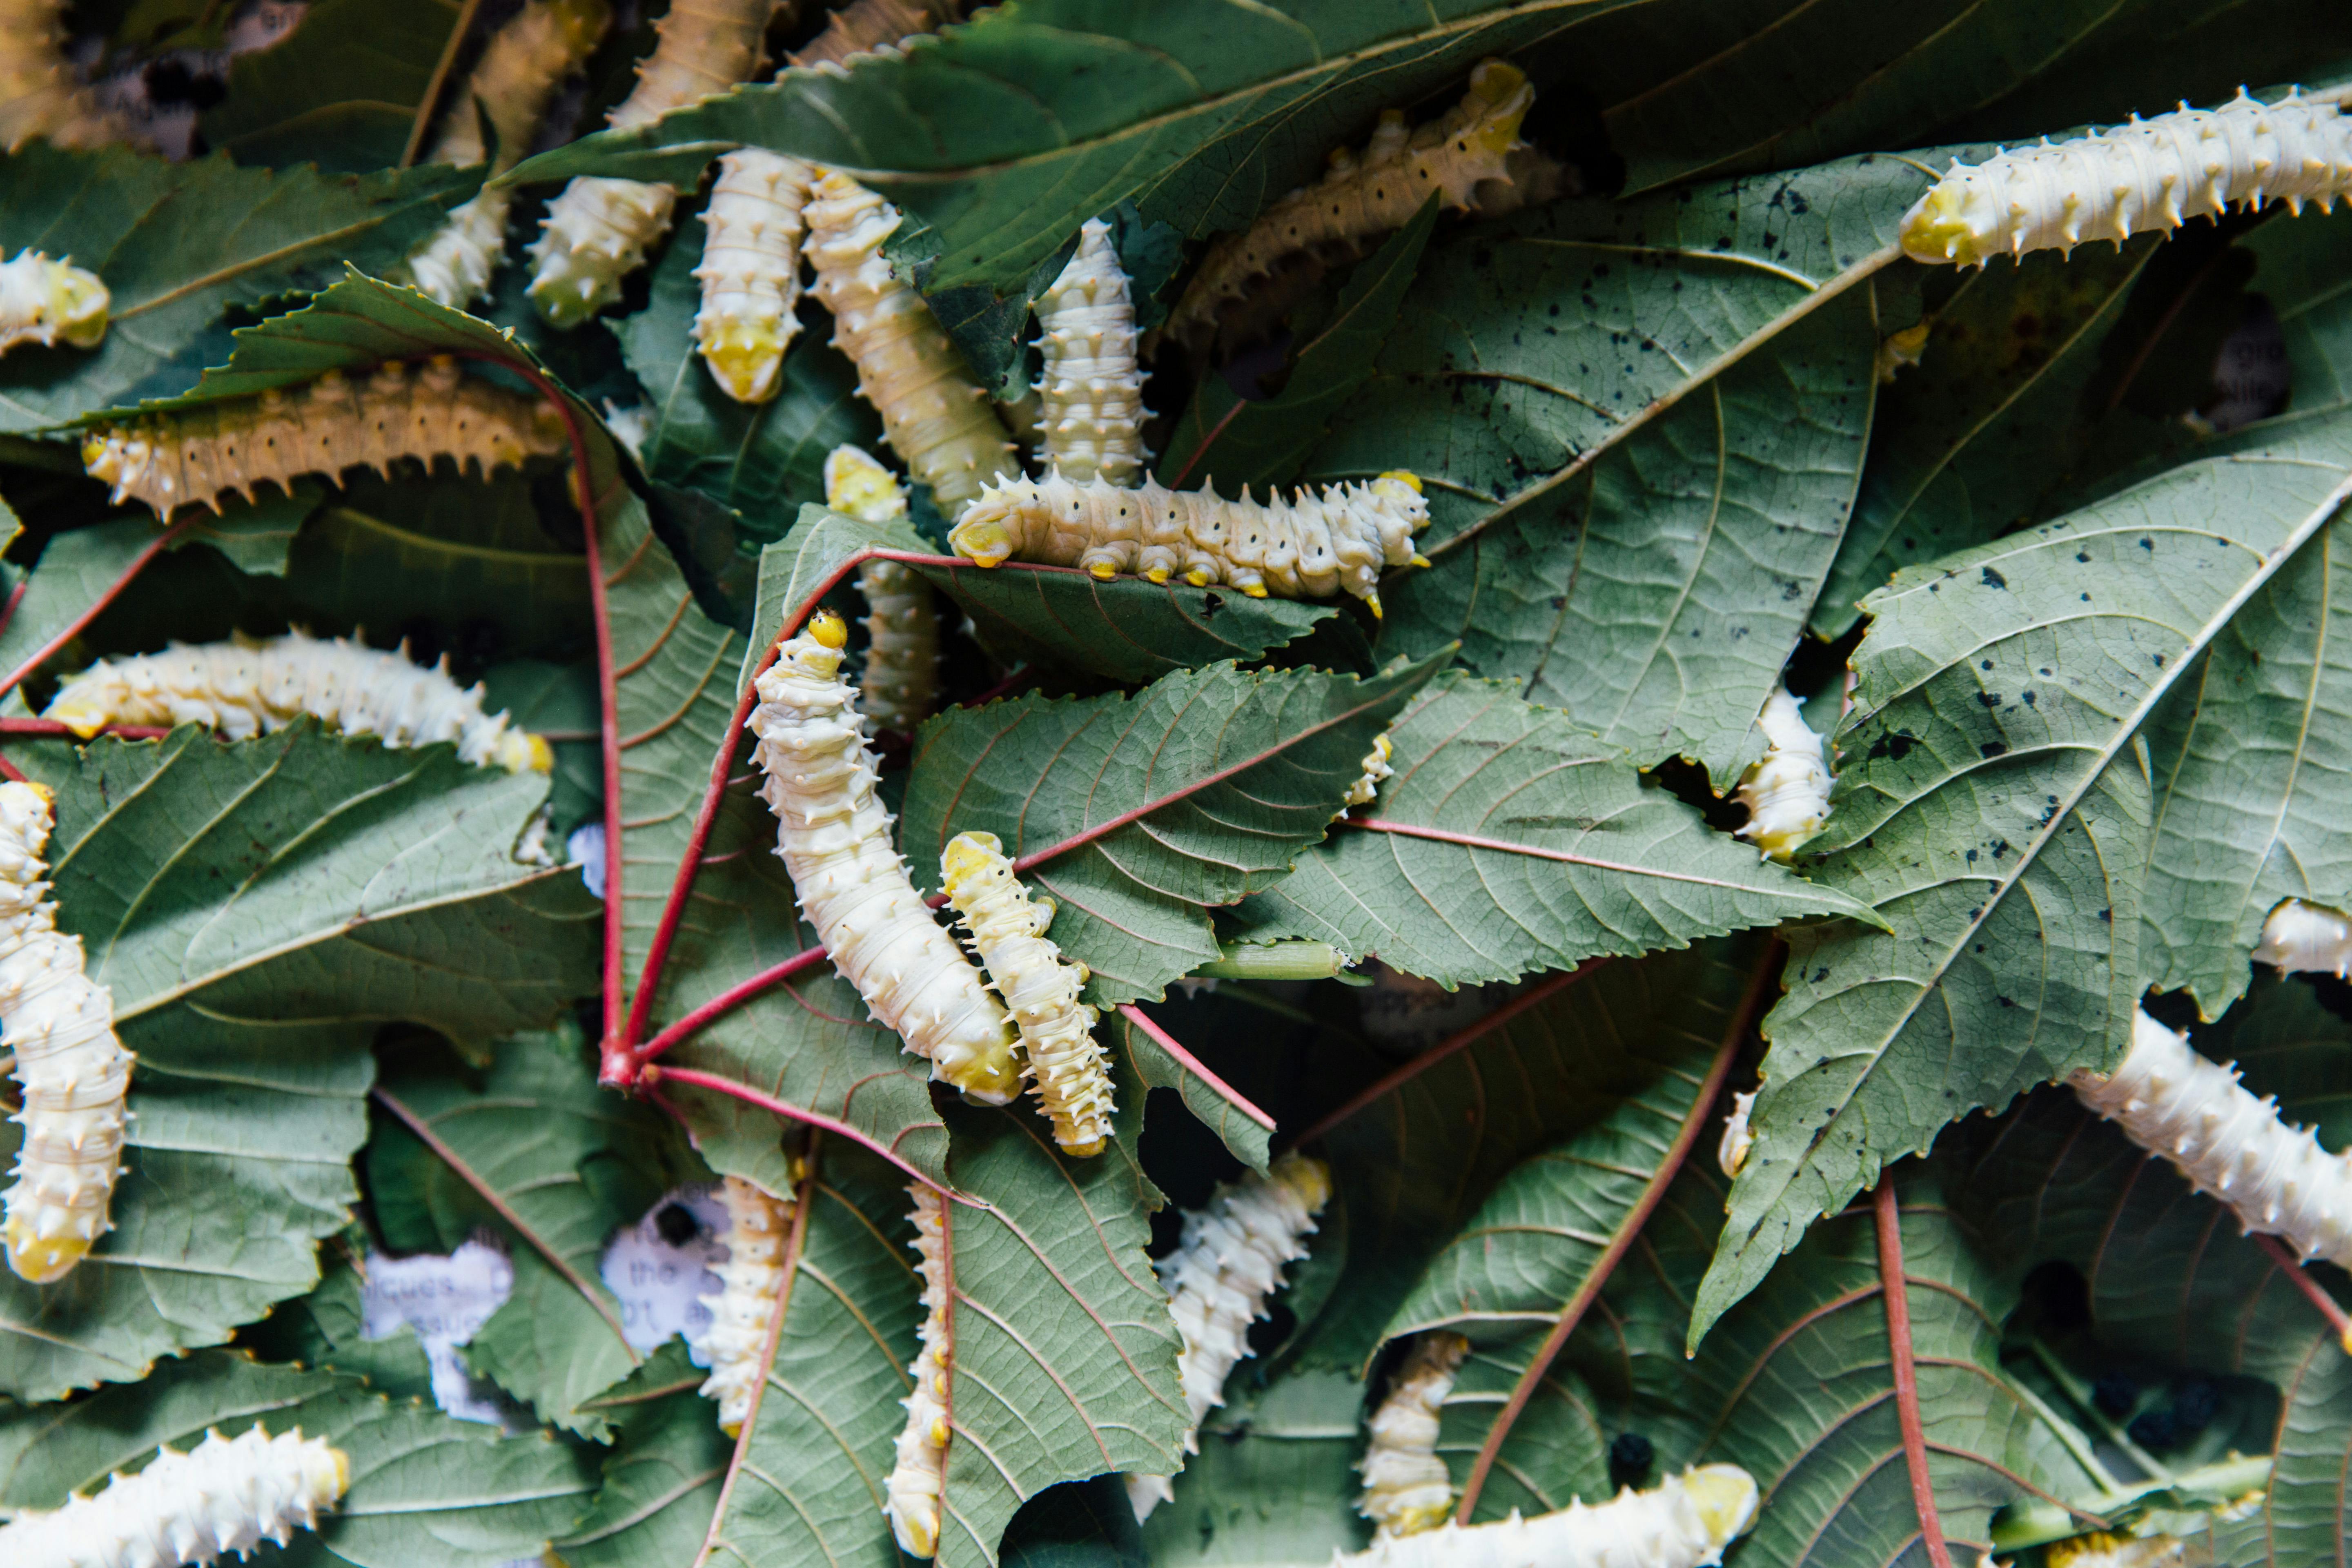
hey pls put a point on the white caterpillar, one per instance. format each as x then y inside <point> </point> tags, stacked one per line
<point>1377,771</point>
<point>523,64</point>
<point>1309,546</point>
<point>901,676</point>
<point>919,1479</point>
<point>941,425</point>
<point>596,232</point>
<point>49,302</point>
<point>41,94</point>
<point>2103,1549</point>
<point>835,839</point>
<point>749,1283</point>
<point>1040,987</point>
<point>249,686</point>
<point>1093,414</point>
<point>1786,791</point>
<point>197,455</point>
<point>2126,180</point>
<point>1738,1142</point>
<point>223,1495</point>
<point>864,25</point>
<point>2277,1179</point>
<point>73,1072</point>
<point>1229,1261</point>
<point>1684,1523</point>
<point>750,270</point>
<point>1406,1486</point>
<point>2310,938</point>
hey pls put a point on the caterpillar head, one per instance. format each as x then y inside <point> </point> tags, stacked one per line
<point>25,811</point>
<point>980,536</point>
<point>1504,88</point>
<point>989,1077</point>
<point>1307,1179</point>
<point>857,486</point>
<point>747,358</point>
<point>579,23</point>
<point>75,304</point>
<point>520,751</point>
<point>39,1258</point>
<point>1937,229</point>
<point>970,856</point>
<point>1724,1496</point>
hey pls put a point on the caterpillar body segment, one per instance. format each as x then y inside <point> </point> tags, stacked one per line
<point>1066,1065</point>
<point>2146,175</point>
<point>941,424</point>
<point>41,93</point>
<point>1311,547</point>
<point>864,25</point>
<point>50,302</point>
<point>835,839</point>
<point>1377,771</point>
<point>71,1070</point>
<point>247,687</point>
<point>2310,938</point>
<point>1786,791</point>
<point>324,426</point>
<point>1092,413</point>
<point>2106,1549</point>
<point>1731,1151</point>
<point>224,1495</point>
<point>918,1479</point>
<point>901,676</point>
<point>1686,1522</point>
<point>750,270</point>
<point>1406,1486</point>
<point>741,1308</point>
<point>2276,1178</point>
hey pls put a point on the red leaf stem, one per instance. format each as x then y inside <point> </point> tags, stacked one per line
<point>156,546</point>
<point>697,1079</point>
<point>1193,1064</point>
<point>50,729</point>
<point>1207,441</point>
<point>16,597</point>
<point>727,1001</point>
<point>1906,1373</point>
<point>11,772</point>
<point>2329,1307</point>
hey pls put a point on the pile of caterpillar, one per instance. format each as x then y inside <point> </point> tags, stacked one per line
<point>521,66</point>
<point>2132,178</point>
<point>2105,1549</point>
<point>938,422</point>
<point>197,455</point>
<point>919,1478</point>
<point>1738,1142</point>
<point>750,270</point>
<point>2276,1178</point>
<point>2307,939</point>
<point>1229,1261</point>
<point>254,686</point>
<point>1786,791</point>
<point>596,232</point>
<point>1311,547</point>
<point>901,676</point>
<point>41,93</point>
<point>835,839</point>
<point>50,302</point>
<point>1091,411</point>
<point>749,1283</point>
<point>1684,1523</point>
<point>73,1072</point>
<point>865,25</point>
<point>1066,1065</point>
<point>1406,1486</point>
<point>223,1495</point>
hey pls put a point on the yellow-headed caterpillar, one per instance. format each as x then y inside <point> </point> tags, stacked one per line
<point>247,687</point>
<point>41,93</point>
<point>750,270</point>
<point>73,1072</point>
<point>2131,178</point>
<point>1092,415</point>
<point>749,1283</point>
<point>1406,1486</point>
<point>919,1479</point>
<point>324,426</point>
<point>1040,987</point>
<point>2312,939</point>
<point>835,839</point>
<point>1684,1523</point>
<point>902,625</point>
<point>1731,1151</point>
<point>864,25</point>
<point>1377,771</point>
<point>50,302</point>
<point>2106,1549</point>
<point>941,425</point>
<point>1311,547</point>
<point>227,1494</point>
<point>1786,791</point>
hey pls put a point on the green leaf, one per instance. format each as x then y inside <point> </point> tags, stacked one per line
<point>257,536</point>
<point>2300,1517</point>
<point>1274,1479</point>
<point>662,1479</point>
<point>323,1330</point>
<point>1149,1066</point>
<point>342,89</point>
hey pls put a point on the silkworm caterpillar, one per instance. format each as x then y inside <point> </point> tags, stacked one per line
<point>941,425</point>
<point>1684,1523</point>
<point>835,839</point>
<point>863,25</point>
<point>750,270</point>
<point>1368,193</point>
<point>2132,178</point>
<point>1738,1142</point>
<point>1377,771</point>
<point>2303,938</point>
<point>1229,1261</point>
<point>2276,1178</point>
<point>1406,1486</point>
<point>596,232</point>
<point>902,626</point>
<point>1786,791</point>
<point>1093,414</point>
<point>749,1283</point>
<point>326,425</point>
<point>73,1072</point>
<point>1309,546</point>
<point>1040,987</point>
<point>49,302</point>
<point>247,685</point>
<point>227,1494</point>
<point>41,94</point>
<point>919,1478</point>
<point>520,68</point>
<point>2105,1549</point>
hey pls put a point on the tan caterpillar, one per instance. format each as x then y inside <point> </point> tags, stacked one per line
<point>749,1283</point>
<point>2131,178</point>
<point>1786,791</point>
<point>835,839</point>
<point>324,427</point>
<point>1040,987</point>
<point>49,302</point>
<point>863,25</point>
<point>227,1494</point>
<point>750,270</point>
<point>596,232</point>
<point>902,629</point>
<point>247,687</point>
<point>2301,938</point>
<point>1092,409</point>
<point>2277,1179</point>
<point>941,425</point>
<point>1686,1523</point>
<point>523,64</point>
<point>1230,1261</point>
<point>2105,1549</point>
<point>41,93</point>
<point>75,1074</point>
<point>1309,546</point>
<point>1406,1486</point>
<point>919,1479</point>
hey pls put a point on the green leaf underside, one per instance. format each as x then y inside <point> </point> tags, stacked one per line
<point>342,91</point>
<point>325,1330</point>
<point>662,1476</point>
<point>1274,1479</point>
<point>1149,1066</point>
